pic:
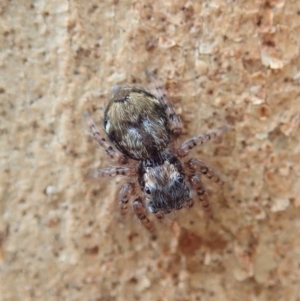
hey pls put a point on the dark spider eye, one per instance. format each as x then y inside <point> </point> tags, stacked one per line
<point>147,190</point>
<point>180,179</point>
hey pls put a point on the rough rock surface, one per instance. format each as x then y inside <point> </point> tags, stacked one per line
<point>223,62</point>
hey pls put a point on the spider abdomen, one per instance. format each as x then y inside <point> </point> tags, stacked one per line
<point>136,123</point>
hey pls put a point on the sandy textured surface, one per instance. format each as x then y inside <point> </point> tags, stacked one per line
<point>223,62</point>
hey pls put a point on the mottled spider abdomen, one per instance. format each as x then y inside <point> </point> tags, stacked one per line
<point>136,122</point>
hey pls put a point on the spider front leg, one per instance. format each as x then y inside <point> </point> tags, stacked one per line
<point>128,171</point>
<point>175,121</point>
<point>198,166</point>
<point>199,187</point>
<point>114,154</point>
<point>140,211</point>
<point>128,190</point>
<point>189,144</point>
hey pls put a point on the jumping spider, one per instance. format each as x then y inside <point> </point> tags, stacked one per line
<point>141,128</point>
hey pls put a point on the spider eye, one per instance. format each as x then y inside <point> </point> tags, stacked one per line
<point>180,179</point>
<point>147,190</point>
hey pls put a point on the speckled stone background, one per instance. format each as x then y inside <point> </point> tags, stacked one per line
<point>223,62</point>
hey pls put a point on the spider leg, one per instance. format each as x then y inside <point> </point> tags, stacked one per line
<point>125,193</point>
<point>198,185</point>
<point>114,171</point>
<point>198,166</point>
<point>175,121</point>
<point>140,211</point>
<point>189,203</point>
<point>189,144</point>
<point>106,145</point>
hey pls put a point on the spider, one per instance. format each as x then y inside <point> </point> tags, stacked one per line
<point>141,128</point>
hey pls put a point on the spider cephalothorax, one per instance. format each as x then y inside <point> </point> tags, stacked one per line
<point>163,183</point>
<point>142,127</point>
